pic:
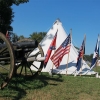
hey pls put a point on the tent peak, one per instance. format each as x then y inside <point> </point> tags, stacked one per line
<point>57,21</point>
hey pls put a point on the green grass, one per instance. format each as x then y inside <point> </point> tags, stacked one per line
<point>58,87</point>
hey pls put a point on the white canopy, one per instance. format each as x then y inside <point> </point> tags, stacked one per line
<point>61,35</point>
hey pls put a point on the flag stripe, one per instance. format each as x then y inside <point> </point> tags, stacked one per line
<point>56,58</point>
<point>61,51</point>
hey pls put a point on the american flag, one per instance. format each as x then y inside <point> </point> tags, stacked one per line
<point>80,55</point>
<point>61,51</point>
<point>51,47</point>
<point>96,54</point>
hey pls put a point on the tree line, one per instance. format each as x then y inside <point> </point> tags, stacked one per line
<point>88,57</point>
<point>34,36</point>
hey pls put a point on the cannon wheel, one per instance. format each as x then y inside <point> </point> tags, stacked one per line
<point>30,68</point>
<point>7,61</point>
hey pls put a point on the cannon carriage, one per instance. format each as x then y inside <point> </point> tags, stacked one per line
<point>17,59</point>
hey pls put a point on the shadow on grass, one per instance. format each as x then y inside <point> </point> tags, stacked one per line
<point>19,85</point>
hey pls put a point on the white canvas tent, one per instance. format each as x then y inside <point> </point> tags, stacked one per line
<point>61,35</point>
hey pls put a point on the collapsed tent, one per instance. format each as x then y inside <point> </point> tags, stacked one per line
<point>68,64</point>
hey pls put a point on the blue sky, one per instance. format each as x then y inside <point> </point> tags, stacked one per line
<point>83,16</point>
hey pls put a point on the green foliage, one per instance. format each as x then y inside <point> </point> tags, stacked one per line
<point>88,57</point>
<point>7,14</point>
<point>14,37</point>
<point>11,2</point>
<point>37,36</point>
<point>17,2</point>
<point>21,37</point>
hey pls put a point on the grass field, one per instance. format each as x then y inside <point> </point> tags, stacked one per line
<point>58,87</point>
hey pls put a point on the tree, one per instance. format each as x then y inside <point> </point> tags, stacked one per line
<point>88,57</point>
<point>7,14</point>
<point>37,36</point>
<point>17,2</point>
<point>14,37</point>
<point>21,37</point>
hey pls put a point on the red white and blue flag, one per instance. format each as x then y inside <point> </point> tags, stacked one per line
<point>80,55</point>
<point>61,51</point>
<point>51,47</point>
<point>96,54</point>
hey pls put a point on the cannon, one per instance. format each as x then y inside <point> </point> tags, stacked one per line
<point>17,59</point>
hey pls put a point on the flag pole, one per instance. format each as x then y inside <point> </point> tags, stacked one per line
<point>67,64</point>
<point>68,53</point>
<point>52,66</point>
<point>83,52</point>
<point>52,63</point>
<point>97,57</point>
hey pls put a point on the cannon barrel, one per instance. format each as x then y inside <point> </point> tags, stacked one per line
<point>26,44</point>
<point>22,45</point>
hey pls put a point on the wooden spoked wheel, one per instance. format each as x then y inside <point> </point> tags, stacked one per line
<point>7,61</point>
<point>30,64</point>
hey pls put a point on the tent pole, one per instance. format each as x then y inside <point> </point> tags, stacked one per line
<point>81,66</point>
<point>67,64</point>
